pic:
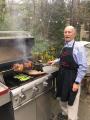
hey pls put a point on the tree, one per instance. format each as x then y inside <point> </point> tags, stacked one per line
<point>84,15</point>
<point>57,23</point>
<point>3,24</point>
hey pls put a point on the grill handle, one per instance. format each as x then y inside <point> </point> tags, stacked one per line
<point>6,70</point>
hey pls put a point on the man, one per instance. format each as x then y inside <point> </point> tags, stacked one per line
<point>73,67</point>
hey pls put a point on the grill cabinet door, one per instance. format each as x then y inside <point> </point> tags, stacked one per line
<point>43,109</point>
<point>26,112</point>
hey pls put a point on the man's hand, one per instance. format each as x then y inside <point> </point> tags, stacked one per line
<point>75,87</point>
<point>51,62</point>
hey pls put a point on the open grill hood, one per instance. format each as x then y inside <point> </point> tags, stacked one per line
<point>15,45</point>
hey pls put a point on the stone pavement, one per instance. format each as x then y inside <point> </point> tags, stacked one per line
<point>84,107</point>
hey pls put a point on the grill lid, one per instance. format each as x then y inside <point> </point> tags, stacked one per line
<point>15,45</point>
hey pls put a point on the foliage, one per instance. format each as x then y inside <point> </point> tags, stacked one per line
<point>50,53</point>
<point>84,15</point>
<point>40,45</point>
<point>3,24</point>
<point>84,11</point>
<point>56,27</point>
<point>45,51</point>
<point>53,20</point>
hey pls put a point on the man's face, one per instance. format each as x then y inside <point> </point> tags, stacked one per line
<point>69,34</point>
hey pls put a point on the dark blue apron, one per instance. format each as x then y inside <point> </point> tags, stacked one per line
<point>66,76</point>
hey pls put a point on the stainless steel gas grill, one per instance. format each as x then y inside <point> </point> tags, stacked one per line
<point>30,98</point>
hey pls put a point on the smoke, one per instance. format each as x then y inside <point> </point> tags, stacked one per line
<point>21,46</point>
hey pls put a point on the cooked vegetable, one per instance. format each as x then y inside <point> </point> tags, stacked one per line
<point>22,77</point>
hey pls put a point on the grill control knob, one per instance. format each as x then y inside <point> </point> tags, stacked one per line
<point>35,89</point>
<point>45,84</point>
<point>22,96</point>
<point>16,99</point>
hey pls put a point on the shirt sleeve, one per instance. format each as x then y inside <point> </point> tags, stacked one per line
<point>57,60</point>
<point>81,60</point>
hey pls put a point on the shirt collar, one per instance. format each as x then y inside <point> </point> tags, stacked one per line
<point>69,44</point>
